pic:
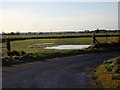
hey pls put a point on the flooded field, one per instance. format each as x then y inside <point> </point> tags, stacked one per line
<point>68,47</point>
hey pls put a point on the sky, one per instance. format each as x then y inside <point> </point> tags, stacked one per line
<point>58,16</point>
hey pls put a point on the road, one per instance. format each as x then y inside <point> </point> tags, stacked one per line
<point>67,72</point>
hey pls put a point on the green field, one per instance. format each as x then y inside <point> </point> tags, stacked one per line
<point>53,35</point>
<point>42,35</point>
<point>34,53</point>
<point>25,44</point>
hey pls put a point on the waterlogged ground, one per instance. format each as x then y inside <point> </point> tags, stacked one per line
<point>53,46</point>
<point>68,47</point>
<point>68,72</point>
<point>36,45</point>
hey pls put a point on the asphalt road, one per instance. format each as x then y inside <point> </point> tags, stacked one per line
<point>67,72</point>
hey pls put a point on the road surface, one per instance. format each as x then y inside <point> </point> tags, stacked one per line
<point>67,72</point>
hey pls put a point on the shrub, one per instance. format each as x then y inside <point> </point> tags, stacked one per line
<point>15,53</point>
<point>22,53</point>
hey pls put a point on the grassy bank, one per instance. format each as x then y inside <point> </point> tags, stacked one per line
<point>107,75</point>
<point>18,57</point>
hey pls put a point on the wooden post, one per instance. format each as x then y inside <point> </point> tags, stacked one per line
<point>106,39</point>
<point>8,46</point>
<point>93,38</point>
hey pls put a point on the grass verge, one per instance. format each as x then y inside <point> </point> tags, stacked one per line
<point>107,75</point>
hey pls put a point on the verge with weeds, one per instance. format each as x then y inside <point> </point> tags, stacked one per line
<point>107,75</point>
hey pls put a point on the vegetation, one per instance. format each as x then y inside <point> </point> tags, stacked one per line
<point>14,37</point>
<point>22,57</point>
<point>33,49</point>
<point>107,75</point>
<point>26,45</point>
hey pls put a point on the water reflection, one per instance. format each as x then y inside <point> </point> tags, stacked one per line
<point>68,47</point>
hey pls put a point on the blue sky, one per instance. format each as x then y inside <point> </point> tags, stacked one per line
<point>59,16</point>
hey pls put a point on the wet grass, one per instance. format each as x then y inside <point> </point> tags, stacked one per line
<point>39,53</point>
<point>24,44</point>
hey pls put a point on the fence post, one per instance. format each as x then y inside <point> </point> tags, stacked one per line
<point>106,39</point>
<point>93,38</point>
<point>8,46</point>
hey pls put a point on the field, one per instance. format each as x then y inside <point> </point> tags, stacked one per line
<point>33,49</point>
<point>25,44</point>
<point>57,35</point>
<point>53,36</point>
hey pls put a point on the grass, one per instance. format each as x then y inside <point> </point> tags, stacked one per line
<point>24,44</point>
<point>107,75</point>
<point>17,58</point>
<point>55,35</point>
<point>39,53</point>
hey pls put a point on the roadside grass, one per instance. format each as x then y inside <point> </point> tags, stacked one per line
<point>17,58</point>
<point>107,75</point>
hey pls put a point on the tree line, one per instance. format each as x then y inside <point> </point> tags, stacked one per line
<point>68,32</point>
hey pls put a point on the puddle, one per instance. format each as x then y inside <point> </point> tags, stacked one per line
<point>68,47</point>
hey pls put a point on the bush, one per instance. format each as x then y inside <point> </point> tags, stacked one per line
<point>14,53</point>
<point>22,53</point>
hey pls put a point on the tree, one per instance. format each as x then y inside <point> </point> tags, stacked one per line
<point>97,31</point>
<point>12,33</point>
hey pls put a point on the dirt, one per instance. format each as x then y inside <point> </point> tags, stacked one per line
<point>68,72</point>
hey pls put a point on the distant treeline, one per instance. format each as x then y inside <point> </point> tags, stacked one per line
<point>68,32</point>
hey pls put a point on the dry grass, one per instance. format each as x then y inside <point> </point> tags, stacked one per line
<point>106,79</point>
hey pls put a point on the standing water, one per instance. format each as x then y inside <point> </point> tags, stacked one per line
<point>68,47</point>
